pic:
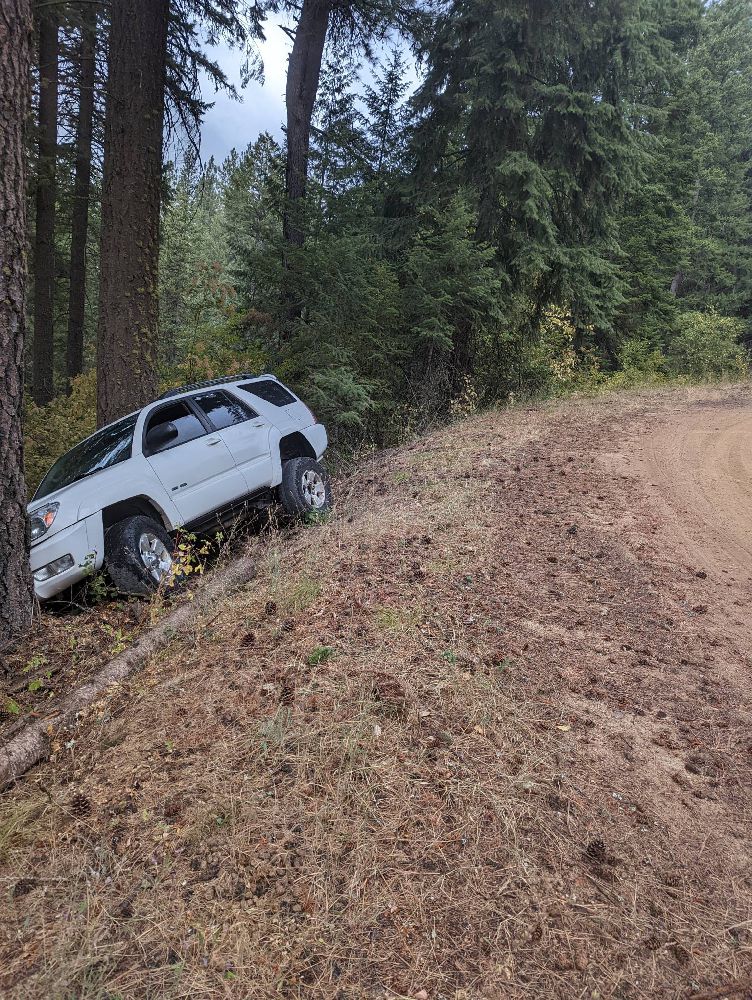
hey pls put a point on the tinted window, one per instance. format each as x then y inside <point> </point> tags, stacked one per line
<point>222,409</point>
<point>107,447</point>
<point>188,425</point>
<point>272,392</point>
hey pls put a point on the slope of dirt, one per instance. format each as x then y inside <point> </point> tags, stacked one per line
<point>484,735</point>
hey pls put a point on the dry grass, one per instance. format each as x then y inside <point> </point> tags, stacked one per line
<point>471,794</point>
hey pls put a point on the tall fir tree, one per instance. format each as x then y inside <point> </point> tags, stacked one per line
<point>127,332</point>
<point>86,75</point>
<point>46,203</point>
<point>386,114</point>
<point>525,105</point>
<point>16,592</point>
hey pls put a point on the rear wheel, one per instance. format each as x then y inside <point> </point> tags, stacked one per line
<point>305,487</point>
<point>138,555</point>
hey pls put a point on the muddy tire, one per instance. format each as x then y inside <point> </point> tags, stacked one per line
<point>138,555</point>
<point>305,487</point>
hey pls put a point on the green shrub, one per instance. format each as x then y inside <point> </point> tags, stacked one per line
<point>639,364</point>
<point>215,351</point>
<point>52,430</point>
<point>706,346</point>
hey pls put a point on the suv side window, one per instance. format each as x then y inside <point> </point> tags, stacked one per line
<point>222,409</point>
<point>188,425</point>
<point>270,391</point>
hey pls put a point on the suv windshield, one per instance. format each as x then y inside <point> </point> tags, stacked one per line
<point>100,451</point>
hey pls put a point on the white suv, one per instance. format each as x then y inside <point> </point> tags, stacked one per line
<point>193,459</point>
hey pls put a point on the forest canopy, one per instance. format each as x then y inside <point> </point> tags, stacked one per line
<point>563,196</point>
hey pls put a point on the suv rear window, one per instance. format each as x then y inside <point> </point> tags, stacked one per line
<point>102,450</point>
<point>271,391</point>
<point>222,409</point>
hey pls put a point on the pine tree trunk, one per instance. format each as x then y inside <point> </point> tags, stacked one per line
<point>128,307</point>
<point>16,595</point>
<point>81,187</point>
<point>44,241</point>
<point>303,72</point>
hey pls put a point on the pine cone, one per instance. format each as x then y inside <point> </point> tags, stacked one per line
<point>80,805</point>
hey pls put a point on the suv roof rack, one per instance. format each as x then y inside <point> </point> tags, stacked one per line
<point>179,390</point>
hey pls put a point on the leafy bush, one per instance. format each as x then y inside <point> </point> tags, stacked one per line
<point>706,346</point>
<point>212,352</point>
<point>553,366</point>
<point>52,430</point>
<point>639,364</point>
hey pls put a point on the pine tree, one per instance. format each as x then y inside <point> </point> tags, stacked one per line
<point>654,228</point>
<point>717,271</point>
<point>526,106</point>
<point>127,333</point>
<point>386,114</point>
<point>15,70</point>
<point>46,198</point>
<point>86,74</point>
<point>358,24</point>
<point>339,147</point>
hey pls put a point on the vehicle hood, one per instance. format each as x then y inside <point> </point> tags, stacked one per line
<point>72,498</point>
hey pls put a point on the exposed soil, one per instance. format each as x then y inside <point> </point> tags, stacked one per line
<point>484,735</point>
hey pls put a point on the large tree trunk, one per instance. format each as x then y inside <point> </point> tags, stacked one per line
<point>128,308</point>
<point>44,242</point>
<point>16,595</point>
<point>303,72</point>
<point>81,186</point>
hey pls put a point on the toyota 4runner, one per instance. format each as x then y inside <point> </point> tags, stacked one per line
<point>194,459</point>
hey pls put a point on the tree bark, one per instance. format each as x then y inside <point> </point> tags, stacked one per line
<point>81,188</point>
<point>16,594</point>
<point>31,744</point>
<point>303,73</point>
<point>128,306</point>
<point>44,241</point>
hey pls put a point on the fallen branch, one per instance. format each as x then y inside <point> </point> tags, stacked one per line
<point>31,745</point>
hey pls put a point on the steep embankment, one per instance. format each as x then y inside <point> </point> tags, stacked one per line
<point>484,735</point>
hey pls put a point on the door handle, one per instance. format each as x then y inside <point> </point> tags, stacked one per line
<point>258,423</point>
<point>213,441</point>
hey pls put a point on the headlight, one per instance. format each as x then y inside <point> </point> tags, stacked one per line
<point>42,520</point>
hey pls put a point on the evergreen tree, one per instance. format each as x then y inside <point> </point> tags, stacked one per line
<point>339,149</point>
<point>46,202</point>
<point>86,77</point>
<point>386,115</point>
<point>359,24</point>
<point>451,304</point>
<point>526,106</point>
<point>127,332</point>
<point>717,269</point>
<point>16,592</point>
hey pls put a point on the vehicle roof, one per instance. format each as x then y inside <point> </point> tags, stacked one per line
<point>225,380</point>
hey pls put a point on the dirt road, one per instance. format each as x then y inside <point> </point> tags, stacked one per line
<point>699,460</point>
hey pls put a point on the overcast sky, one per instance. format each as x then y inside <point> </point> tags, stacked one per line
<point>233,123</point>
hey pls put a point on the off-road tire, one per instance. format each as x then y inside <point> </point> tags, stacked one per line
<point>305,487</point>
<point>122,555</point>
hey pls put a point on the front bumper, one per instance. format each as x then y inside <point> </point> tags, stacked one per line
<point>79,540</point>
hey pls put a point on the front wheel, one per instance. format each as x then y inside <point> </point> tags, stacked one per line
<point>305,487</point>
<point>138,555</point>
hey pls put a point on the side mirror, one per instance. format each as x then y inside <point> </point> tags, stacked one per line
<point>160,436</point>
